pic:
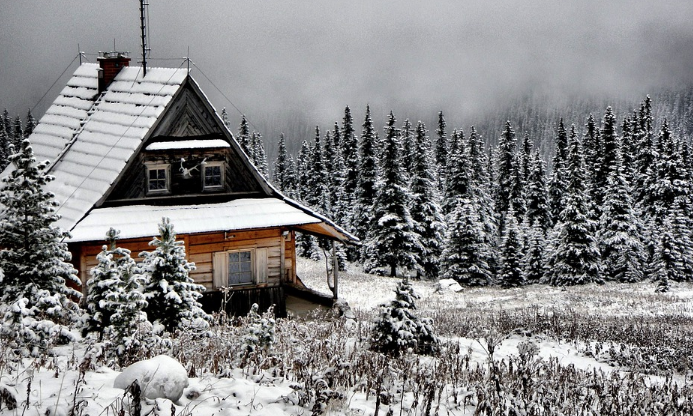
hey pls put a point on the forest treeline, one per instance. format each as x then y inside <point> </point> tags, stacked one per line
<point>612,203</point>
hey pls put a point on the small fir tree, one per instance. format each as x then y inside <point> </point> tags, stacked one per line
<point>367,176</point>
<point>105,280</point>
<point>511,273</point>
<point>280,166</point>
<point>244,137</point>
<point>398,330</point>
<point>170,292</point>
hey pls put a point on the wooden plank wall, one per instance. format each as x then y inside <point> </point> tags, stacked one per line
<point>199,249</point>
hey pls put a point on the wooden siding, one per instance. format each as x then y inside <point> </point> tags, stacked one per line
<point>199,249</point>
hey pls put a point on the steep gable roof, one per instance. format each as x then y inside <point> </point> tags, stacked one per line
<point>90,139</point>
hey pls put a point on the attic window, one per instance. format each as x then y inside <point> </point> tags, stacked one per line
<point>213,177</point>
<point>158,178</point>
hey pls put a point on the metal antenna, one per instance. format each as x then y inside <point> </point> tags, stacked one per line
<point>144,10</point>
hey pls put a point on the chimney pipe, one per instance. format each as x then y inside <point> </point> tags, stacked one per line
<point>110,64</point>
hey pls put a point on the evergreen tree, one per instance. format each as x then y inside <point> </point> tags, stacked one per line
<point>534,259</point>
<point>34,257</point>
<point>171,294</point>
<point>104,281</point>
<point>244,137</point>
<point>575,259</point>
<point>427,219</point>
<point>302,171</point>
<point>290,179</point>
<point>668,262</point>
<point>467,254</point>
<point>480,189</point>
<point>441,150</point>
<point>506,171</point>
<point>538,209</point>
<point>225,118</point>
<point>258,153</point>
<point>458,173</point>
<point>280,166</point>
<point>620,242</point>
<point>368,175</point>
<point>350,155</point>
<point>408,146</point>
<point>317,193</point>
<point>397,329</point>
<point>30,124</point>
<point>391,242</point>
<point>511,273</point>
<point>558,182</point>
<point>4,149</point>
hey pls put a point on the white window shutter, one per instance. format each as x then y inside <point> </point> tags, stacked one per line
<point>261,265</point>
<point>219,269</point>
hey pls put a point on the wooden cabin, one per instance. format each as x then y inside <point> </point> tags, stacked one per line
<point>127,150</point>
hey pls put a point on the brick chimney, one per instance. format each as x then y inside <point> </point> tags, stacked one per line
<point>110,64</point>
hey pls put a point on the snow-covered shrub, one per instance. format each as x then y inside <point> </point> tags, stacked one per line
<point>397,329</point>
<point>171,294</point>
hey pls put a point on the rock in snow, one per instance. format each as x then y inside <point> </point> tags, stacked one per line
<point>448,285</point>
<point>159,377</point>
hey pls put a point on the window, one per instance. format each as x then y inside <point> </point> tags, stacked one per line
<point>213,177</point>
<point>157,178</point>
<point>240,267</point>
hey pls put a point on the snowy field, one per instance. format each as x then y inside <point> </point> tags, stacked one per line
<point>611,349</point>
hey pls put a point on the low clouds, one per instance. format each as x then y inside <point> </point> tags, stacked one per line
<point>314,57</point>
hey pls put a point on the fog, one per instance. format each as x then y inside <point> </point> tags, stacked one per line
<point>301,62</point>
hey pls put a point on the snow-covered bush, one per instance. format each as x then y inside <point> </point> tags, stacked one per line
<point>397,329</point>
<point>171,294</point>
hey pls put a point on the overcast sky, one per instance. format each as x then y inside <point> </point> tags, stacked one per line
<point>313,57</point>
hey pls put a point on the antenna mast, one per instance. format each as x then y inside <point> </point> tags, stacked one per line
<point>144,12</point>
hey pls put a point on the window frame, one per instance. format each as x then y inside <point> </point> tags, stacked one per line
<point>206,187</point>
<point>258,266</point>
<point>253,278</point>
<point>166,167</point>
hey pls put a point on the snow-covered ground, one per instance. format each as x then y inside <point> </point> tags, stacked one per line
<point>342,384</point>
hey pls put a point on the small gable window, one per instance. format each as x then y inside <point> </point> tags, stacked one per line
<point>158,178</point>
<point>213,177</point>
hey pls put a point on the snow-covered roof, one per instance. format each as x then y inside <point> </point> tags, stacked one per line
<point>109,131</point>
<point>136,221</point>
<point>188,144</point>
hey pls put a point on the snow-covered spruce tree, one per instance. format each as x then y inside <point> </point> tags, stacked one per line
<point>441,151</point>
<point>225,118</point>
<point>506,171</point>
<point>259,155</point>
<point>104,281</point>
<point>4,149</point>
<point>302,170</point>
<point>457,182</point>
<point>511,273</point>
<point>667,263</point>
<point>533,263</point>
<point>280,166</point>
<point>481,182</point>
<point>244,137</point>
<point>130,332</point>
<point>391,242</point>
<point>397,330</point>
<point>408,146</point>
<point>34,258</point>
<point>350,155</point>
<point>427,218</point>
<point>575,258</point>
<point>259,333</point>
<point>317,195</point>
<point>537,197</point>
<point>559,182</point>
<point>365,191</point>
<point>620,239</point>
<point>30,124</point>
<point>467,252</point>
<point>170,292</point>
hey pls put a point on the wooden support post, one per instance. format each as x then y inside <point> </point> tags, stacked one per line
<point>282,256</point>
<point>335,270</point>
